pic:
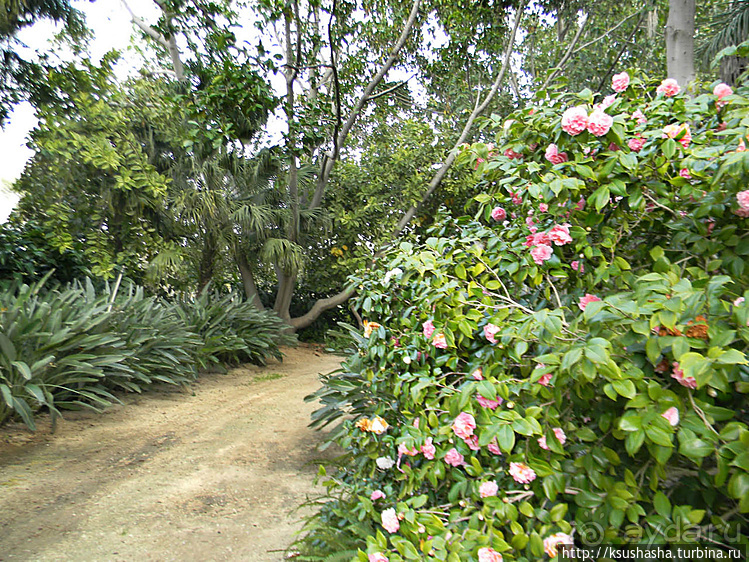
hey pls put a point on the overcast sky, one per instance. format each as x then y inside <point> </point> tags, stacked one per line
<point>112,29</point>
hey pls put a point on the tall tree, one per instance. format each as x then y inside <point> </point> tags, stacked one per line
<point>680,40</point>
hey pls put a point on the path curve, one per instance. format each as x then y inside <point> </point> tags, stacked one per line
<point>212,473</point>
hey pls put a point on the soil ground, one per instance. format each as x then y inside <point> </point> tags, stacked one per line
<point>214,472</point>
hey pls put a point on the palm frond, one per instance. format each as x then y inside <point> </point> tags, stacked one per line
<point>283,253</point>
<point>254,220</point>
<point>169,259</point>
<point>727,28</point>
<point>317,217</point>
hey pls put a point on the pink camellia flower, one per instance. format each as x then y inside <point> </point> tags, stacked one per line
<point>683,380</point>
<point>613,147</point>
<point>560,435</point>
<point>743,199</point>
<point>587,299</point>
<point>554,156</point>
<point>378,557</point>
<point>738,301</point>
<point>541,253</point>
<point>640,117</point>
<point>487,554</point>
<point>672,415</point>
<point>608,101</point>
<point>377,495</point>
<point>439,341</point>
<point>675,129</point>
<point>529,222</point>
<point>428,449</point>
<point>545,379</point>
<point>487,402</point>
<point>403,450</point>
<point>559,432</point>
<point>454,458</point>
<point>516,199</point>
<point>560,234</point>
<point>464,425</point>
<point>473,443</point>
<point>511,154</point>
<point>490,330</point>
<point>669,88</point>
<point>575,120</point>
<point>580,205</point>
<point>684,173</point>
<point>390,520</point>
<point>488,489</point>
<point>499,214</point>
<point>577,266</point>
<point>478,374</point>
<point>543,207</point>
<point>493,447</point>
<point>537,238</point>
<point>620,82</point>
<point>522,473</point>
<point>722,90</point>
<point>635,144</point>
<point>428,328</point>
<point>552,542</point>
<point>599,123</point>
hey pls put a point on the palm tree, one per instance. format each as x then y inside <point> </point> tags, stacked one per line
<point>728,28</point>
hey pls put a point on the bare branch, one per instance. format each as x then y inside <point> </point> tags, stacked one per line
<point>169,43</point>
<point>621,51</point>
<point>608,33</point>
<point>328,163</point>
<point>321,306</point>
<point>478,110</point>
<point>146,27</point>
<point>389,90</point>
<point>566,56</point>
<point>336,84</point>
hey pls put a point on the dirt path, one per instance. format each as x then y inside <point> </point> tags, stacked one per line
<point>172,475</point>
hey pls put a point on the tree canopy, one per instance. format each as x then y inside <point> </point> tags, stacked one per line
<point>279,145</point>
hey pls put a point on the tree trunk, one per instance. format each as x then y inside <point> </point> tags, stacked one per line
<point>205,267</point>
<point>286,286</point>
<point>680,41</point>
<point>248,280</point>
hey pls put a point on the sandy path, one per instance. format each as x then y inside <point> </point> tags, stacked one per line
<point>172,475</point>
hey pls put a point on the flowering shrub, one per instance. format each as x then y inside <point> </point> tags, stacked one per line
<point>590,383</point>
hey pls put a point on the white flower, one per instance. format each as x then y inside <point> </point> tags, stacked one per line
<point>385,463</point>
<point>392,273</point>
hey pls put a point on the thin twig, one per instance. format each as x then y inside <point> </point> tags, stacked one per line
<point>618,25</point>
<point>654,202</point>
<point>566,56</point>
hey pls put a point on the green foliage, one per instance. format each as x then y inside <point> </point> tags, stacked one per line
<point>232,330</point>
<point>593,340</point>
<point>26,255</point>
<point>72,347</point>
<point>92,184</point>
